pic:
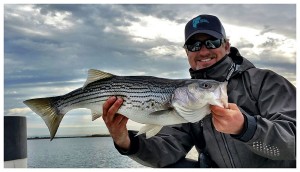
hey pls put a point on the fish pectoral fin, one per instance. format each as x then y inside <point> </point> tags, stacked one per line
<point>162,112</point>
<point>170,115</point>
<point>95,75</point>
<point>96,115</point>
<point>150,130</point>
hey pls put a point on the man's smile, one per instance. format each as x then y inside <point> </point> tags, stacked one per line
<point>206,60</point>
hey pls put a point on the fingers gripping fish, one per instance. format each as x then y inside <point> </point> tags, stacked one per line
<point>149,100</point>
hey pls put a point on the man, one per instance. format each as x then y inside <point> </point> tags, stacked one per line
<point>257,130</point>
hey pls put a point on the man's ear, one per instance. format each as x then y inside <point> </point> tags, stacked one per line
<point>227,47</point>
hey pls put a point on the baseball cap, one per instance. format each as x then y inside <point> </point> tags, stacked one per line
<point>207,24</point>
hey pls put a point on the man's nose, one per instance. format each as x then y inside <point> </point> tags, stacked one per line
<point>203,51</point>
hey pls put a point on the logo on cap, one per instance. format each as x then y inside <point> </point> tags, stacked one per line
<point>198,20</point>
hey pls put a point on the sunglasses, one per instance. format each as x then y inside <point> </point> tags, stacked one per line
<point>195,45</point>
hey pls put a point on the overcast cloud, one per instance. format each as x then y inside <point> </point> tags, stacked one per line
<point>49,48</point>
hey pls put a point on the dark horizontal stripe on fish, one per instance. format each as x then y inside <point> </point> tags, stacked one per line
<point>93,91</point>
<point>134,84</point>
<point>73,102</point>
<point>71,97</point>
<point>133,89</point>
<point>77,101</point>
<point>132,105</point>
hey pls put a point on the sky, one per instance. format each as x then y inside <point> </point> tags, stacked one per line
<point>48,48</point>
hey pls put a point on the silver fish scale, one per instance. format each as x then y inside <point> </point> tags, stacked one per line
<point>138,92</point>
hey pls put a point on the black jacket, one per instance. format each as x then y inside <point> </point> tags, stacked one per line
<point>268,103</point>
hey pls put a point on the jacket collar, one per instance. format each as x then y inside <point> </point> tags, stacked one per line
<point>219,71</point>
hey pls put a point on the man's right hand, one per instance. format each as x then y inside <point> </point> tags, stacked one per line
<point>116,123</point>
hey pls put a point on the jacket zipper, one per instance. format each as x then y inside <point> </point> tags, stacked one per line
<point>204,75</point>
<point>227,150</point>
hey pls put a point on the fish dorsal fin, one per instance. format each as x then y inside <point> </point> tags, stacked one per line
<point>95,75</point>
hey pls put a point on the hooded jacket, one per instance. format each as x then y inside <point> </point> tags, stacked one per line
<point>268,103</point>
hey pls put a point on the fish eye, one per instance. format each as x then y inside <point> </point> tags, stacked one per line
<point>205,85</point>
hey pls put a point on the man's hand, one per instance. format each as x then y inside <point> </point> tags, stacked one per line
<point>116,123</point>
<point>229,121</point>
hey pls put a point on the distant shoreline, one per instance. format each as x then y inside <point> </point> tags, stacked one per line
<point>62,137</point>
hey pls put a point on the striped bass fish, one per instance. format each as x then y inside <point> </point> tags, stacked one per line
<point>149,100</point>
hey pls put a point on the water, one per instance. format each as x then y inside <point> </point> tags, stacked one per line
<point>95,152</point>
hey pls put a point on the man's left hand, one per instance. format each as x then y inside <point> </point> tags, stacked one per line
<point>229,121</point>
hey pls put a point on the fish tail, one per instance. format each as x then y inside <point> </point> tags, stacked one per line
<point>45,108</point>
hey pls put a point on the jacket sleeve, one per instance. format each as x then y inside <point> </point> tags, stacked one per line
<point>272,133</point>
<point>169,146</point>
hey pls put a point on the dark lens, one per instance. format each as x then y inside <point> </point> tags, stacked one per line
<point>194,46</point>
<point>212,44</point>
